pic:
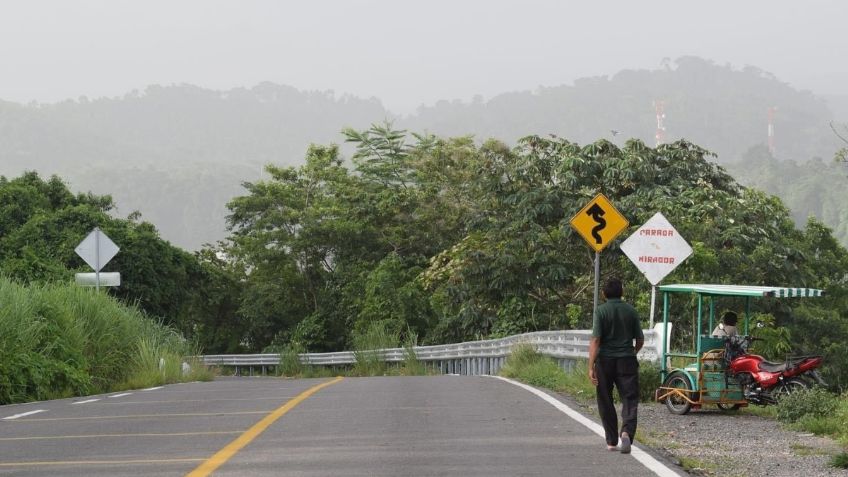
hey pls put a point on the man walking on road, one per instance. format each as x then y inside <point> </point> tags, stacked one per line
<point>612,361</point>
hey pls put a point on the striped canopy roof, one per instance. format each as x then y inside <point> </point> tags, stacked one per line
<point>742,290</point>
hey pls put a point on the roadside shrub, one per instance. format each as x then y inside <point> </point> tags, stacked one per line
<point>840,461</point>
<point>577,381</point>
<point>368,346</point>
<point>819,425</point>
<point>412,366</point>
<point>649,380</point>
<point>61,340</point>
<point>816,402</point>
<point>290,364</point>
<point>528,366</point>
<point>521,356</point>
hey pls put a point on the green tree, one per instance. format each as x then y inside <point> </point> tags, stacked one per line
<point>289,235</point>
<point>42,222</point>
<point>326,251</point>
<point>842,134</point>
<point>454,241</point>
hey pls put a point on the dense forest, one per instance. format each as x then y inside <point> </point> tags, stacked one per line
<point>817,188</point>
<point>178,153</point>
<point>440,240</point>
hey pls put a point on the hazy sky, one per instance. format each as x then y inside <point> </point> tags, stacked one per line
<point>403,52</point>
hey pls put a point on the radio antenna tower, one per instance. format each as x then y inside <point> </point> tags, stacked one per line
<point>659,106</point>
<point>771,111</point>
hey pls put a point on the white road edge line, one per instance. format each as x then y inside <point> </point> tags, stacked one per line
<point>643,457</point>
<point>86,401</point>
<point>119,395</point>
<point>153,389</point>
<point>23,414</point>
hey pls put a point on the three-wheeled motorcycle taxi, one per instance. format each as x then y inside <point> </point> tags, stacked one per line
<point>706,378</point>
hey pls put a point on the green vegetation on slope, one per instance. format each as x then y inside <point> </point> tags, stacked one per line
<point>61,340</point>
<point>528,366</point>
<point>182,150</point>
<point>454,242</point>
<point>41,223</point>
<point>815,188</point>
<point>444,240</point>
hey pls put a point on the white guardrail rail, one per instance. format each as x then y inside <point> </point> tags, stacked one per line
<point>470,358</point>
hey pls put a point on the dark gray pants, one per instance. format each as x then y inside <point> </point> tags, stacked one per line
<point>624,374</point>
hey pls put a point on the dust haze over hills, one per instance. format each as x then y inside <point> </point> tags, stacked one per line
<point>241,84</point>
<point>178,153</point>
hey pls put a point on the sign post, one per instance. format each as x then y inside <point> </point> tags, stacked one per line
<point>598,222</point>
<point>97,249</point>
<point>656,249</point>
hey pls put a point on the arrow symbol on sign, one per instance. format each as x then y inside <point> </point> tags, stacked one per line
<point>597,214</point>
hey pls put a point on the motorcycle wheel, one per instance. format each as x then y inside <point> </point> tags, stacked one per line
<point>788,387</point>
<point>676,404</point>
<point>729,407</point>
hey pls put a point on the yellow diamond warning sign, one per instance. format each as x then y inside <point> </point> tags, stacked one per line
<point>599,222</point>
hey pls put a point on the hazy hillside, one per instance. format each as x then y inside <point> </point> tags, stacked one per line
<point>718,107</point>
<point>838,103</point>
<point>178,124</point>
<point>817,187</point>
<point>179,153</point>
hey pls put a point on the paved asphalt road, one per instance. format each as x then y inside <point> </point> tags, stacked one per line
<point>389,426</point>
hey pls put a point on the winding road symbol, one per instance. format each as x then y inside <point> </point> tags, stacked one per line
<point>599,222</point>
<point>597,214</point>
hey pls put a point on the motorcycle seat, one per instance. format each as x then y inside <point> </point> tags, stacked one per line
<point>772,367</point>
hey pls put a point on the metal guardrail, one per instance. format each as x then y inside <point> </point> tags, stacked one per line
<point>472,357</point>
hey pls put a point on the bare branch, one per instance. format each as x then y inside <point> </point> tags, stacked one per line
<point>840,136</point>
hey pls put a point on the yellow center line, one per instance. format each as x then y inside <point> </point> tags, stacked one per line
<point>96,436</point>
<point>225,454</point>
<point>99,462</point>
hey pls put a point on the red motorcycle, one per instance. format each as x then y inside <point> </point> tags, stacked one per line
<point>764,382</point>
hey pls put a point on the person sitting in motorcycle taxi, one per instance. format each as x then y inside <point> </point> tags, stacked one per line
<point>727,327</point>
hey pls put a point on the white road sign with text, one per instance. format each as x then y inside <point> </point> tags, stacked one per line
<point>656,248</point>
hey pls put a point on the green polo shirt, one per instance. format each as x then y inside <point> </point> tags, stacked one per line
<point>617,324</point>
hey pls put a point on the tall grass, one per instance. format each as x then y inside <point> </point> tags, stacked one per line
<point>290,364</point>
<point>61,340</point>
<point>367,344</point>
<point>525,364</point>
<point>412,366</point>
<point>528,366</point>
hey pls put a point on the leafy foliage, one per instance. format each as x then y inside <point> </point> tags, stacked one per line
<point>178,153</point>
<point>61,340</point>
<point>453,241</point>
<point>815,402</point>
<point>445,240</point>
<point>840,460</point>
<point>42,222</point>
<point>809,188</point>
